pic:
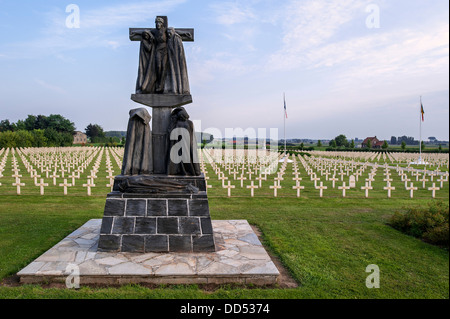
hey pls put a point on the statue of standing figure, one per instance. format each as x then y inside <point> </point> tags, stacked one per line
<point>162,62</point>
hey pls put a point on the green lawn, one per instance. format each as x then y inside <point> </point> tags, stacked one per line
<point>325,243</point>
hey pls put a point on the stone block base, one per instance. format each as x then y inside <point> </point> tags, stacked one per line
<point>162,220</point>
<point>156,225</point>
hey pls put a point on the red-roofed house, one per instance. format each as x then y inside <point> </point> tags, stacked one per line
<point>376,143</point>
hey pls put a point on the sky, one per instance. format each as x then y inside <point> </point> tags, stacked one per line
<point>348,67</point>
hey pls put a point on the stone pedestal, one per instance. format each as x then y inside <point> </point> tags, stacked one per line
<point>158,220</point>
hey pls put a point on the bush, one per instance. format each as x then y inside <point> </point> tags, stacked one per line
<point>429,224</point>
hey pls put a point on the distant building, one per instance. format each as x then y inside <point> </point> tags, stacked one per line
<point>374,142</point>
<point>79,138</point>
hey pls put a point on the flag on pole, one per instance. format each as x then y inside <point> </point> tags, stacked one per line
<point>285,112</point>
<point>421,110</point>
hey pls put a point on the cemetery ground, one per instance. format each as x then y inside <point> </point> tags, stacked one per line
<point>325,243</point>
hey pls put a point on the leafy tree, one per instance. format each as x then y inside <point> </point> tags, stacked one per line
<point>403,145</point>
<point>55,138</point>
<point>24,138</point>
<point>341,140</point>
<point>30,122</point>
<point>39,138</point>
<point>369,143</point>
<point>60,123</point>
<point>440,148</point>
<point>352,144</point>
<point>41,122</point>
<point>7,139</point>
<point>19,125</point>
<point>422,145</point>
<point>5,125</point>
<point>319,143</point>
<point>94,132</point>
<point>332,143</point>
<point>385,145</point>
<point>302,146</point>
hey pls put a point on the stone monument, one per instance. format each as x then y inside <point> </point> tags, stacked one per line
<point>159,201</point>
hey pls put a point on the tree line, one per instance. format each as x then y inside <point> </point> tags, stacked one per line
<point>36,131</point>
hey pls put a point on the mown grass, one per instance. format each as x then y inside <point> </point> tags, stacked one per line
<point>325,243</point>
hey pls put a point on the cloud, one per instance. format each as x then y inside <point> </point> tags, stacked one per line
<point>229,13</point>
<point>311,24</point>
<point>126,15</point>
<point>97,27</point>
<point>49,86</point>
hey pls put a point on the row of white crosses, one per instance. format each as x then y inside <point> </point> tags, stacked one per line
<point>344,170</point>
<point>339,168</point>
<point>4,154</point>
<point>439,160</point>
<point>389,187</point>
<point>242,166</point>
<point>67,162</point>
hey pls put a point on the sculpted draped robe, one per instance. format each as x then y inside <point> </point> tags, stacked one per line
<point>178,163</point>
<point>138,157</point>
<point>162,64</point>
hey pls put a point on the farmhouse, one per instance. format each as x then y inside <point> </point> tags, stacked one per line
<point>374,142</point>
<point>79,138</point>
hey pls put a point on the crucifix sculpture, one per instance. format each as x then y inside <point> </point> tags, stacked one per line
<point>162,82</point>
<point>159,202</point>
<point>162,62</point>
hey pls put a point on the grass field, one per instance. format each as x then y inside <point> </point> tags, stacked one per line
<point>325,243</point>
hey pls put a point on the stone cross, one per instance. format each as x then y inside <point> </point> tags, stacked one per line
<point>65,185</point>
<point>228,187</point>
<point>333,180</point>
<point>18,184</point>
<point>41,185</point>
<point>54,176</point>
<point>321,188</point>
<point>46,170</point>
<point>423,180</point>
<point>252,187</point>
<point>275,187</point>
<point>111,181</point>
<point>315,179</point>
<point>73,176</point>
<point>389,188</point>
<point>223,178</point>
<point>259,179</point>
<point>366,188</point>
<point>89,184</point>
<point>441,180</point>
<point>344,188</point>
<point>433,190</point>
<point>242,178</point>
<point>298,188</point>
<point>370,180</point>
<point>411,190</point>
<point>186,34</point>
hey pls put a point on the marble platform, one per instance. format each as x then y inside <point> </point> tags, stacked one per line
<point>239,258</point>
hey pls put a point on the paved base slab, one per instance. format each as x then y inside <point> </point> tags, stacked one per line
<point>239,258</point>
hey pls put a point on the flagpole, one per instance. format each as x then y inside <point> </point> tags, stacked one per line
<point>284,120</point>
<point>420,132</point>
